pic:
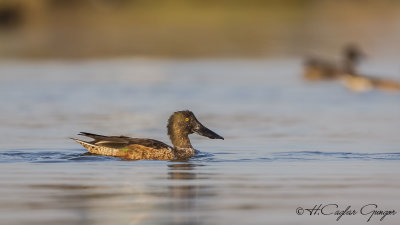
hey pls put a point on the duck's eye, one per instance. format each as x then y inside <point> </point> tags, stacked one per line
<point>187,119</point>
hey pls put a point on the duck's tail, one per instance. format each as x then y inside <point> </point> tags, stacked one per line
<point>84,143</point>
<point>94,136</point>
<point>387,85</point>
<point>89,146</point>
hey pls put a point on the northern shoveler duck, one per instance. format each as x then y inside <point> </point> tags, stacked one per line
<point>318,69</point>
<point>180,125</point>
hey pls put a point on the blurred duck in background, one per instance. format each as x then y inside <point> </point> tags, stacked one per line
<point>319,70</point>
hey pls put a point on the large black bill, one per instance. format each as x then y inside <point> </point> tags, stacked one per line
<point>204,131</point>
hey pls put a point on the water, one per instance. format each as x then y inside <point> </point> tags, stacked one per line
<point>288,143</point>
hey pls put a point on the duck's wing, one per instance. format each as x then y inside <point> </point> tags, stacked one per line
<point>107,141</point>
<point>149,143</point>
<point>319,69</point>
<point>120,142</point>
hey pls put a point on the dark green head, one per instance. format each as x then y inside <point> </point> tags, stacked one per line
<point>183,123</point>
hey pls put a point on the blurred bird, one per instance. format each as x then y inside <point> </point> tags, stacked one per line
<point>318,69</point>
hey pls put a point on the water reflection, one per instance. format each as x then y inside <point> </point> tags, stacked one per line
<point>185,195</point>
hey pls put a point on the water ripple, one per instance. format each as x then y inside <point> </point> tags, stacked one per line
<point>40,156</point>
<point>317,155</point>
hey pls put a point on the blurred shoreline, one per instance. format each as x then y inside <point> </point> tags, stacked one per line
<point>68,29</point>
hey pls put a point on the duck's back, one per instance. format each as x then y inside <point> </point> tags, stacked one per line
<point>316,70</point>
<point>126,147</point>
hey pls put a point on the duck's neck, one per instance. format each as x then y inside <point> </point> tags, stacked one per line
<point>180,140</point>
<point>349,65</point>
<point>182,147</point>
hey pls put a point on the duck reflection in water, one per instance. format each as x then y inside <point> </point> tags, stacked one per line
<point>185,207</point>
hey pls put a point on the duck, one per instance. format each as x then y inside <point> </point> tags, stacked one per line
<point>318,69</point>
<point>180,125</point>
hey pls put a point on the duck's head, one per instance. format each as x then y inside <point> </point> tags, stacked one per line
<point>311,61</point>
<point>183,123</point>
<point>352,56</point>
<point>352,53</point>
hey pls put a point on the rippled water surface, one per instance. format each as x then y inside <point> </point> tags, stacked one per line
<point>288,144</point>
